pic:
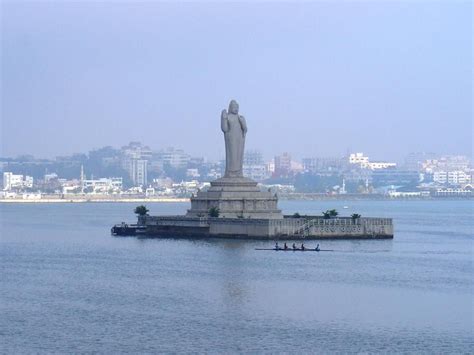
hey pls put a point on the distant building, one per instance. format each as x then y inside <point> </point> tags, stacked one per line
<point>414,161</point>
<point>253,157</point>
<point>283,164</point>
<point>457,192</point>
<point>103,185</point>
<point>28,182</point>
<point>364,162</point>
<point>13,181</point>
<point>50,177</point>
<point>135,157</point>
<point>139,172</point>
<point>280,189</point>
<point>395,177</point>
<point>193,173</point>
<point>214,174</point>
<point>172,157</point>
<point>271,166</point>
<point>135,150</point>
<point>359,159</point>
<point>451,177</point>
<point>254,167</point>
<point>381,165</point>
<point>256,172</point>
<point>320,165</point>
<point>447,163</point>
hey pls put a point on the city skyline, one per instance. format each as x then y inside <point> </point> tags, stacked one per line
<point>270,156</point>
<point>83,75</point>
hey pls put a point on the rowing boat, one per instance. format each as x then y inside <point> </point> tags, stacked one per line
<point>291,249</point>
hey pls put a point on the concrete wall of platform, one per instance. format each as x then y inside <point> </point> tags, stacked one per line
<point>300,228</point>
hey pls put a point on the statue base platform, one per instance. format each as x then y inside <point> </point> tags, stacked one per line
<point>235,197</point>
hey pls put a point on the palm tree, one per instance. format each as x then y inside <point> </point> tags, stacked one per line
<point>326,215</point>
<point>141,210</point>
<point>214,212</point>
<point>355,216</point>
<point>330,214</point>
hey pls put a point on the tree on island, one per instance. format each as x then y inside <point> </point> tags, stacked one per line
<point>141,210</point>
<point>296,215</point>
<point>355,216</point>
<point>330,214</point>
<point>214,212</point>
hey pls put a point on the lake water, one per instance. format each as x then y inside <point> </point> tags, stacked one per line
<point>68,286</point>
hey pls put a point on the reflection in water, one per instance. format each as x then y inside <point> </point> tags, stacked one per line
<point>233,289</point>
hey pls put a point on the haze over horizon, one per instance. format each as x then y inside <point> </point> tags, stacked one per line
<point>312,79</point>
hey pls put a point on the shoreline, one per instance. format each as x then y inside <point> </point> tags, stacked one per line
<point>184,199</point>
<point>100,200</point>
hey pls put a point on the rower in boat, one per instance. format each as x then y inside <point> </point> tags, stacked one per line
<point>317,247</point>
<point>294,246</point>
<point>285,247</point>
<point>302,246</point>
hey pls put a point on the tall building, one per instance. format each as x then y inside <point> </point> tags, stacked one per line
<point>283,164</point>
<point>135,150</point>
<point>175,158</point>
<point>135,159</point>
<point>254,167</point>
<point>138,169</point>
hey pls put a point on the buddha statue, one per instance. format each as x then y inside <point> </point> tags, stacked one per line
<point>235,128</point>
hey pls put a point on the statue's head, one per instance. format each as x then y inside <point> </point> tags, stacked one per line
<point>234,107</point>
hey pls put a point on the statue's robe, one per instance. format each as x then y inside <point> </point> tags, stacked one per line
<point>234,135</point>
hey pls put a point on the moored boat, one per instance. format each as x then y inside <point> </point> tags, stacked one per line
<point>124,229</point>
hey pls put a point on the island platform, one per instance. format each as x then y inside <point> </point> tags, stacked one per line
<point>234,206</point>
<point>289,227</point>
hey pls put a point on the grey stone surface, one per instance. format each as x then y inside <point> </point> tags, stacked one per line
<point>235,198</point>
<point>235,195</point>
<point>267,228</point>
<point>235,129</point>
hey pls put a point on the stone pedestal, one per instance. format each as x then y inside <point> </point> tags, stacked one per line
<point>235,198</point>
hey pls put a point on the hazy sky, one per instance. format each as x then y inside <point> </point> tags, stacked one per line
<point>386,78</point>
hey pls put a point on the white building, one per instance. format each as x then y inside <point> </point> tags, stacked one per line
<point>359,159</point>
<point>364,162</point>
<point>458,177</point>
<point>140,172</point>
<point>193,173</point>
<point>135,161</point>
<point>381,165</point>
<point>13,181</point>
<point>447,163</point>
<point>103,185</point>
<point>137,170</point>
